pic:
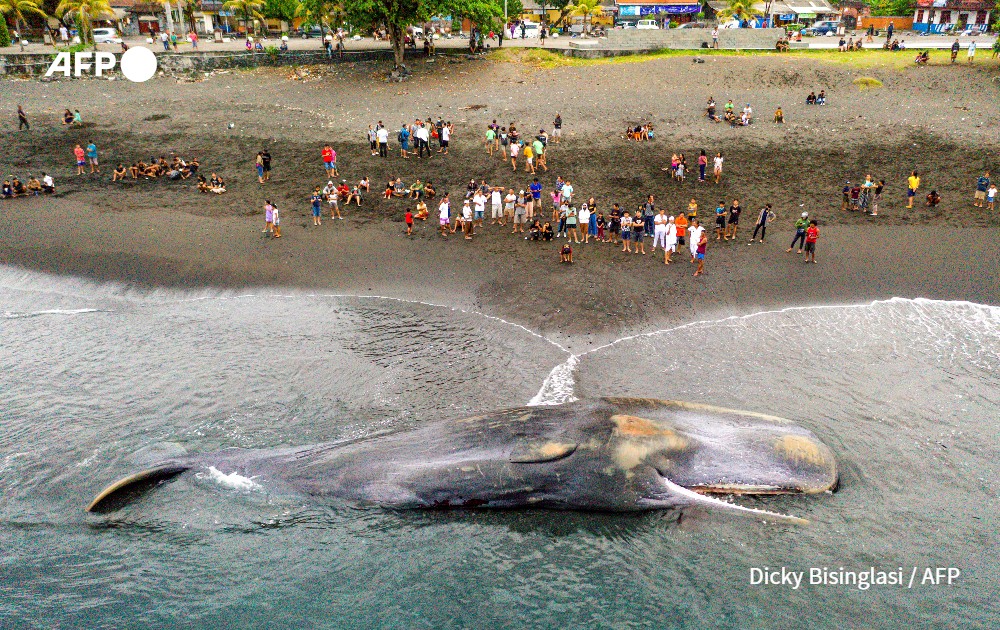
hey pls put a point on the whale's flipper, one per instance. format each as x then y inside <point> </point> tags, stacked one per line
<point>699,499</point>
<point>130,488</point>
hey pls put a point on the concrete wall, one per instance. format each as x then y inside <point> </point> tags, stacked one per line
<point>37,64</point>
<point>684,38</point>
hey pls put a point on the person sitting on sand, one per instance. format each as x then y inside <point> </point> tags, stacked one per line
<point>203,184</point>
<point>730,118</point>
<point>120,172</point>
<point>7,192</point>
<point>779,116</point>
<point>67,117</point>
<point>781,45</point>
<point>546,232</point>
<point>217,185</point>
<point>134,170</point>
<point>821,98</point>
<point>20,190</point>
<point>399,188</point>
<point>354,195</point>
<point>387,193</point>
<point>153,170</point>
<point>34,186</point>
<point>421,212</point>
<point>365,184</point>
<point>343,192</point>
<point>811,99</point>
<point>416,189</point>
<point>922,58</point>
<point>710,110</point>
<point>77,118</point>
<point>48,184</point>
<point>933,199</point>
<point>534,231</point>
<point>566,254</point>
<point>429,190</point>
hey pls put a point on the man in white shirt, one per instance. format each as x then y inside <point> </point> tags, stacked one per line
<point>496,205</point>
<point>695,232</point>
<point>479,201</point>
<point>383,141</point>
<point>423,141</point>
<point>467,220</point>
<point>508,206</point>
<point>660,229</point>
<point>567,192</point>
<point>444,138</point>
<point>444,214</point>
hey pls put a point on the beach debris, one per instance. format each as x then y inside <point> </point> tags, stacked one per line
<point>472,108</point>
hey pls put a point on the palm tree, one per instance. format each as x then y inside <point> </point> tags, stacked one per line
<point>19,9</point>
<point>740,9</point>
<point>587,9</point>
<point>88,10</point>
<point>248,9</point>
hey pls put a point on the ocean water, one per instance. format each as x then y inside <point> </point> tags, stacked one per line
<point>905,392</point>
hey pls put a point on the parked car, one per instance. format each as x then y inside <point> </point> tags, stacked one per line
<point>106,36</point>
<point>648,25</point>
<point>826,27</point>
<point>531,29</point>
<point>733,23</point>
<point>693,25</point>
<point>312,32</point>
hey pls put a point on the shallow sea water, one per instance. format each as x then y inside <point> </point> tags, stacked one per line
<point>905,392</point>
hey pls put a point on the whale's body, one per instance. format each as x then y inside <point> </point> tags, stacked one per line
<point>613,454</point>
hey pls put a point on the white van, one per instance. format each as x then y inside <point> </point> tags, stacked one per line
<point>106,36</point>
<point>647,25</point>
<point>531,29</point>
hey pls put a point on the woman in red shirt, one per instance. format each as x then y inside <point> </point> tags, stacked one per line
<point>812,235</point>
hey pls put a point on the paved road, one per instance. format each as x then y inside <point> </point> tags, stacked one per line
<point>912,41</point>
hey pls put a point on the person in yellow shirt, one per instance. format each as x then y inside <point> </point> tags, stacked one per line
<point>529,156</point>
<point>912,182</point>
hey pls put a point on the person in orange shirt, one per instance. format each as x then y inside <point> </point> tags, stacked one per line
<point>681,222</point>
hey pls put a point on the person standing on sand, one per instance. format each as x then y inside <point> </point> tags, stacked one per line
<point>877,196</point>
<point>695,232</point>
<point>681,223</point>
<point>982,185</point>
<point>408,218</point>
<point>22,119</point>
<point>912,182</point>
<point>444,137</point>
<point>382,135</point>
<point>700,251</point>
<point>329,160</point>
<point>762,219</point>
<point>627,232</point>
<point>265,159</point>
<point>670,241</point>
<point>557,129</point>
<point>734,220</point>
<point>702,165</point>
<point>660,229</point>
<point>92,158</point>
<point>720,221</point>
<point>81,159</point>
<point>717,167</point>
<point>276,221</point>
<point>800,233</point>
<point>972,51</point>
<point>812,235</point>
<point>715,37</point>
<point>467,221</point>
<point>268,218</point>
<point>991,196</point>
<point>444,214</point>
<point>648,212</point>
<point>373,140</point>
<point>316,200</point>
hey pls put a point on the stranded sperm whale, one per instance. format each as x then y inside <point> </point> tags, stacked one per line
<point>612,454</point>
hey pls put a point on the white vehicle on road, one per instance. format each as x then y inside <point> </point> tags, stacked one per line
<point>106,36</point>
<point>531,29</point>
<point>647,25</point>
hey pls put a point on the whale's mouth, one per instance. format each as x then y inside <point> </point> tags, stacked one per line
<point>681,495</point>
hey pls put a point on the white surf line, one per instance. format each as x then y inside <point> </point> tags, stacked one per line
<point>559,384</point>
<point>53,311</point>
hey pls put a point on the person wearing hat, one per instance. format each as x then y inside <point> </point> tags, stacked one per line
<point>520,212</point>
<point>800,232</point>
<point>332,198</point>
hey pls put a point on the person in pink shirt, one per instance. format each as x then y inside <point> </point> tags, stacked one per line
<point>702,165</point>
<point>80,159</point>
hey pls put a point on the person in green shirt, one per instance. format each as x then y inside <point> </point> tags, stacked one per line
<point>490,140</point>
<point>539,149</point>
<point>800,232</point>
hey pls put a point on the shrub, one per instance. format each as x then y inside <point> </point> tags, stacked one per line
<point>864,83</point>
<point>4,33</point>
<point>673,24</point>
<point>271,50</point>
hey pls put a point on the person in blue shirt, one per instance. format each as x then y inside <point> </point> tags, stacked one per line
<point>316,199</point>
<point>404,140</point>
<point>982,185</point>
<point>91,152</point>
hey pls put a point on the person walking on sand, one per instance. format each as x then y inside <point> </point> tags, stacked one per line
<point>268,218</point>
<point>700,252</point>
<point>259,165</point>
<point>812,235</point>
<point>800,233</point>
<point>265,159</point>
<point>276,221</point>
<point>982,185</point>
<point>717,167</point>
<point>22,119</point>
<point>912,183</point>
<point>954,50</point>
<point>762,219</point>
<point>515,148</point>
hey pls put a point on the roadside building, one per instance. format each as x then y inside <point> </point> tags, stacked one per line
<point>948,16</point>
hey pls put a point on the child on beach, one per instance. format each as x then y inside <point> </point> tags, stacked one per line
<point>627,232</point>
<point>316,200</point>
<point>444,214</point>
<point>812,235</point>
<point>408,217</point>
<point>81,160</point>
<point>275,221</point>
<point>268,218</point>
<point>566,254</point>
<point>694,233</point>
<point>700,254</point>
<point>991,196</point>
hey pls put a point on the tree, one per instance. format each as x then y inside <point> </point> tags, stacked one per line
<point>188,9</point>
<point>740,9</point>
<point>563,7</point>
<point>87,11</point>
<point>892,7</point>
<point>4,33</point>
<point>283,10</point>
<point>19,10</point>
<point>246,10</point>
<point>397,15</point>
<point>587,9</point>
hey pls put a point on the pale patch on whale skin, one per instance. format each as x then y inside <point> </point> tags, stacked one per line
<point>641,438</point>
<point>544,452</point>
<point>799,449</point>
<point>680,404</point>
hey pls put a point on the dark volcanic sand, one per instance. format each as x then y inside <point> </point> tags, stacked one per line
<point>939,120</point>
